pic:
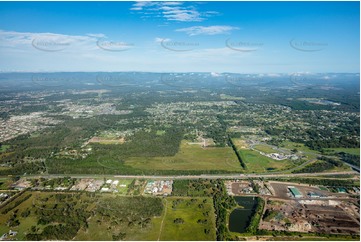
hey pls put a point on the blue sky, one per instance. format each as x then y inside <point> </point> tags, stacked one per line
<point>241,37</point>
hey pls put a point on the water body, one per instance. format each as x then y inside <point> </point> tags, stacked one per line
<point>240,218</point>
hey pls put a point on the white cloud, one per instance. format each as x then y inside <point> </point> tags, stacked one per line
<point>97,35</point>
<point>140,5</point>
<point>273,74</point>
<point>183,15</point>
<point>215,74</point>
<point>207,30</point>
<point>172,3</point>
<point>160,40</point>
<point>47,41</point>
<point>172,11</point>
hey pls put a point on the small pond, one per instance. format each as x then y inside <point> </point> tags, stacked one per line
<point>240,218</point>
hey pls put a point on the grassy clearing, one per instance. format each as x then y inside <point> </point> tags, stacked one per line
<point>3,148</point>
<point>107,141</point>
<point>160,132</point>
<point>228,97</point>
<point>121,188</point>
<point>240,143</point>
<point>299,146</point>
<point>256,162</point>
<point>190,157</point>
<point>5,183</point>
<point>265,149</point>
<point>189,219</point>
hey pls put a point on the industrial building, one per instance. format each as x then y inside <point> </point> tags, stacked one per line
<point>295,192</point>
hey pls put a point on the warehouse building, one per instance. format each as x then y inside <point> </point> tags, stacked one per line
<point>295,192</point>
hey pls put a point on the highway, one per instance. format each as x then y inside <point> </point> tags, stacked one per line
<point>185,177</point>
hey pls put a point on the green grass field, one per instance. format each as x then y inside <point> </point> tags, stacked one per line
<point>265,148</point>
<point>299,146</point>
<point>190,157</point>
<point>160,132</point>
<point>256,162</point>
<point>198,219</point>
<point>121,189</point>
<point>5,183</point>
<point>240,143</point>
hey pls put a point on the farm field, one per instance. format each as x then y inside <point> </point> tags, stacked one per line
<point>190,157</point>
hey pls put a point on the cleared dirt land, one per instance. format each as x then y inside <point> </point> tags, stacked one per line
<point>281,190</point>
<point>329,217</point>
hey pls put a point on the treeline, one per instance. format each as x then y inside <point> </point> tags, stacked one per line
<point>24,167</point>
<point>349,158</point>
<point>236,152</point>
<point>320,181</point>
<point>324,163</point>
<point>222,203</point>
<point>256,217</point>
<point>11,205</point>
<point>317,166</point>
<point>293,234</point>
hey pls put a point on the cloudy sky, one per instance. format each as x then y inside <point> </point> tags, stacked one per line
<point>241,37</point>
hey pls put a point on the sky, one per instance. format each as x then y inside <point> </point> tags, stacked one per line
<point>239,37</point>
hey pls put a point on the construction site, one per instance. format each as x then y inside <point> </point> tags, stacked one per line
<point>304,208</point>
<point>321,216</point>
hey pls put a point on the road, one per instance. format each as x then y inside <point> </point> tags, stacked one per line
<point>204,176</point>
